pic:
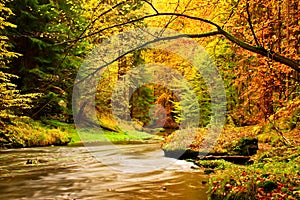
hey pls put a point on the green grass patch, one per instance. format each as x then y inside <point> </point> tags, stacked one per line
<point>101,135</point>
<point>29,133</point>
<point>213,164</point>
<point>108,136</point>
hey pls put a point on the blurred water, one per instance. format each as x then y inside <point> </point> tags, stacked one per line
<point>141,172</point>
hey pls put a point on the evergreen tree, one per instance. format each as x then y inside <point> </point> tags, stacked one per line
<point>12,103</point>
<point>49,61</point>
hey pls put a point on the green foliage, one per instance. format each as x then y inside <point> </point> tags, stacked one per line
<point>195,101</point>
<point>204,100</point>
<point>227,62</point>
<point>12,103</point>
<point>213,164</point>
<point>43,33</point>
<point>141,101</point>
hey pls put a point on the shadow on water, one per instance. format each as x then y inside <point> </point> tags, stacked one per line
<point>73,173</point>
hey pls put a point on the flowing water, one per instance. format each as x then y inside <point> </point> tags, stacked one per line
<point>99,172</point>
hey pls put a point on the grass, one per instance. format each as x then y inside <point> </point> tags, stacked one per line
<point>101,135</point>
<point>29,133</point>
<point>108,136</point>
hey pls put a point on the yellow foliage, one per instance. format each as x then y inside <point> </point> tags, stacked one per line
<point>28,134</point>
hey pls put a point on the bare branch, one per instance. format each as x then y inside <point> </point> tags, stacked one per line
<point>151,16</point>
<point>255,49</point>
<point>101,15</point>
<point>171,18</point>
<point>213,33</point>
<point>84,31</point>
<point>149,3</point>
<point>250,23</point>
<point>187,5</point>
<point>231,13</point>
<point>262,51</point>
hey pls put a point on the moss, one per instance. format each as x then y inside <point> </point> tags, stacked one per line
<point>268,186</point>
<point>245,147</point>
<point>213,164</point>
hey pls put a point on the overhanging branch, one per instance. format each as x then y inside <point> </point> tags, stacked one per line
<point>220,31</point>
<point>262,51</point>
<point>213,33</point>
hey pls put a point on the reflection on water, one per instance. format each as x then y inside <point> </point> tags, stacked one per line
<point>73,173</point>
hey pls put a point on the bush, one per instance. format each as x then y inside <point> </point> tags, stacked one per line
<point>30,134</point>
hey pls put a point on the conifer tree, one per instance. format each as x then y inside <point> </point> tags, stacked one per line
<point>12,102</point>
<point>45,35</point>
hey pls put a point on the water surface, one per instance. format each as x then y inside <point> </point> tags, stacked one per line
<point>101,172</point>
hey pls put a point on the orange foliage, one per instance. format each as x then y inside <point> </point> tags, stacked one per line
<point>265,86</point>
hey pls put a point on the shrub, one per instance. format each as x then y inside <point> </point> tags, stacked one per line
<point>29,134</point>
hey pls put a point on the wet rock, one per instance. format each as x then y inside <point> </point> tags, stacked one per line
<point>208,171</point>
<point>181,153</point>
<point>195,167</point>
<point>246,147</point>
<point>29,162</point>
<point>42,161</point>
<point>250,162</point>
<point>268,186</point>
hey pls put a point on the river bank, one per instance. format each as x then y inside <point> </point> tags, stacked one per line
<point>272,170</point>
<point>271,173</point>
<point>264,164</point>
<point>29,133</point>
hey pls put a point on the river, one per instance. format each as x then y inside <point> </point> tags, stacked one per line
<point>137,171</point>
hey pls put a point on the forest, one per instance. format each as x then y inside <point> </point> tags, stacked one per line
<point>229,76</point>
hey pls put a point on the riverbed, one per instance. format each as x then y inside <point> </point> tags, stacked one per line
<point>98,172</point>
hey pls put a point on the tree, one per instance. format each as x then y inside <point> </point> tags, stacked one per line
<point>216,30</point>
<point>12,103</point>
<point>42,28</point>
<point>267,51</point>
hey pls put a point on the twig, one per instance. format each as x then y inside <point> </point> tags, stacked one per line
<point>149,3</point>
<point>250,24</point>
<point>231,14</point>
<point>286,141</point>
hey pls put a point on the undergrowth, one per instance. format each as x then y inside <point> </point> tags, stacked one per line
<point>274,175</point>
<point>29,133</point>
